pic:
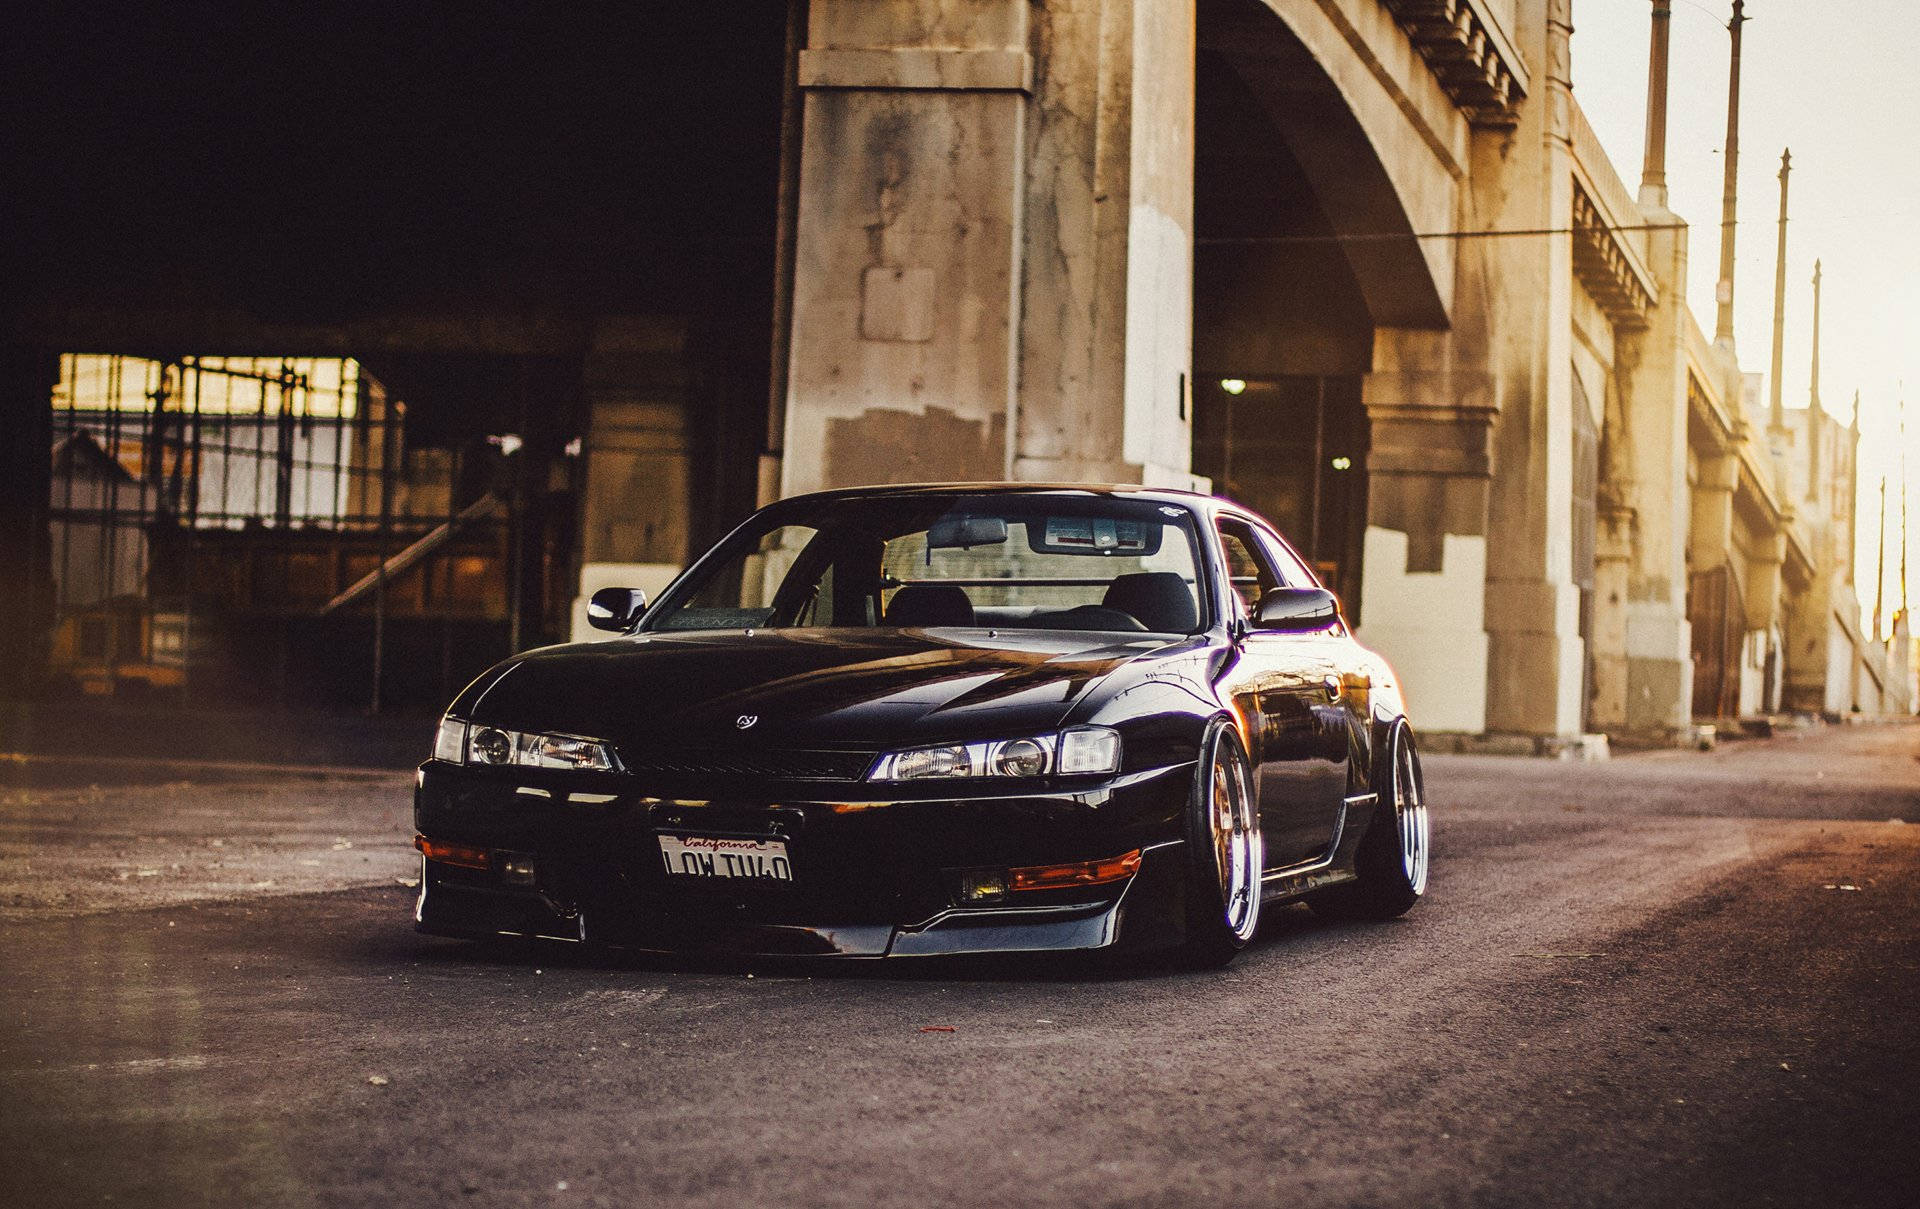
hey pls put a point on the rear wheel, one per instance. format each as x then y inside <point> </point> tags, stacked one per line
<point>1224,853</point>
<point>1393,857</point>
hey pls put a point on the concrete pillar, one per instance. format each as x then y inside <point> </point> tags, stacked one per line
<point>1652,377</point>
<point>1809,634</point>
<point>1710,530</point>
<point>634,521</point>
<point>993,250</point>
<point>1763,586</point>
<point>1429,469</point>
<point>1612,585</point>
<point>1536,660</point>
<point>27,379</point>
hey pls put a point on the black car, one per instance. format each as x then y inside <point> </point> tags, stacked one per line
<point>935,720</point>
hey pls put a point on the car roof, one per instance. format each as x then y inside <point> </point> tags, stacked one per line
<point>1191,499</point>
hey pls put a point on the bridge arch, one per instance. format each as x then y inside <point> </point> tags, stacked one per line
<point>1318,164</point>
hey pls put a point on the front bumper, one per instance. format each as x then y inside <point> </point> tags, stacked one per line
<point>578,860</point>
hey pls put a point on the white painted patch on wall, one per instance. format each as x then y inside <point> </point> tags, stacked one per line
<point>1159,341</point>
<point>1431,626</point>
<point>1840,658</point>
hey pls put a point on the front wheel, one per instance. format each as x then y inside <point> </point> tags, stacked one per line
<point>1393,857</point>
<point>1224,851</point>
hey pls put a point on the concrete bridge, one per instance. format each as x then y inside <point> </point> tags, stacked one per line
<point>1359,263</point>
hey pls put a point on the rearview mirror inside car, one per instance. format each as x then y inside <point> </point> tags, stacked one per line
<point>966,532</point>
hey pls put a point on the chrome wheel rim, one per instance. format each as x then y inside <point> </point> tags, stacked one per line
<point>1410,816</point>
<point>1236,843</point>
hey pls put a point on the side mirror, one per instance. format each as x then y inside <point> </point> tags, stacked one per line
<point>615,608</point>
<point>1297,610</point>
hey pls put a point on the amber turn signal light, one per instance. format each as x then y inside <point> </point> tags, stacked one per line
<point>464,855</point>
<point>1080,873</point>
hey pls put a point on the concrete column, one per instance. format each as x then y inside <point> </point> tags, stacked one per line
<point>1652,376</point>
<point>1612,585</point>
<point>1107,337</point>
<point>634,522</point>
<point>1710,530</point>
<point>1423,595</point>
<point>992,249</point>
<point>1763,580</point>
<point>1809,632</point>
<point>1535,664</point>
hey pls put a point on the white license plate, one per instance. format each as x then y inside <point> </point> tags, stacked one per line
<point>715,856</point>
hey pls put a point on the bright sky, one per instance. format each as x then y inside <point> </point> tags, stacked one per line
<point>1833,80</point>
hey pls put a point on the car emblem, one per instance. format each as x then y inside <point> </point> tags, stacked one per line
<point>746,720</point>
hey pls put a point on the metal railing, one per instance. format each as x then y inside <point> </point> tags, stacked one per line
<point>260,530</point>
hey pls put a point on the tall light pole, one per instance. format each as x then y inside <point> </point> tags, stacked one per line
<point>1776,413</point>
<point>1903,516</point>
<point>1816,419</point>
<point>1653,172</point>
<point>1729,192</point>
<point>1853,491</point>
<point>1880,564</point>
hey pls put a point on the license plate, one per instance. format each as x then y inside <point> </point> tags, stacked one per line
<point>718,856</point>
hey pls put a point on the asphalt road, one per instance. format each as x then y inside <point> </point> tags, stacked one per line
<point>1671,979</point>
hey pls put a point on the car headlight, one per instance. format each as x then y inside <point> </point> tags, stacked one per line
<point>1084,749</point>
<point>461,742</point>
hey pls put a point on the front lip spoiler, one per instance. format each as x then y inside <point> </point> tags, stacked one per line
<point>474,911</point>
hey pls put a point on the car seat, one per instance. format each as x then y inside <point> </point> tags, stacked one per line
<point>1160,599</point>
<point>930,605</point>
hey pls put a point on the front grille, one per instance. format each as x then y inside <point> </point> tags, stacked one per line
<point>773,765</point>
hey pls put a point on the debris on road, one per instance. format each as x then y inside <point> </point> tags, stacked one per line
<point>937,1028</point>
<point>378,1080</point>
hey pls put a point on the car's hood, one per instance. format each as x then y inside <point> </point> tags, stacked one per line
<point>866,688</point>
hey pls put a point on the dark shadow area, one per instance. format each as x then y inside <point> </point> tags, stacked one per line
<point>314,162</point>
<point>1281,923</point>
<point>162,733</point>
<point>506,214</point>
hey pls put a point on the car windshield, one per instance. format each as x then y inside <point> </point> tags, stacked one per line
<point>1059,562</point>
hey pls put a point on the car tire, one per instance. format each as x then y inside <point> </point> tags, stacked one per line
<point>1224,853</point>
<point>1395,853</point>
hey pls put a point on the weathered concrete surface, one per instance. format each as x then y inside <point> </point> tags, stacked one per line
<point>993,244</point>
<point>1643,982</point>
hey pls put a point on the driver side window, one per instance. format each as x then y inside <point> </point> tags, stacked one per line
<point>1247,563</point>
